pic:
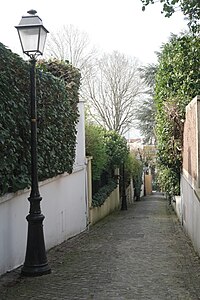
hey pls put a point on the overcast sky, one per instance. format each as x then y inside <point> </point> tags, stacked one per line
<point>111,24</point>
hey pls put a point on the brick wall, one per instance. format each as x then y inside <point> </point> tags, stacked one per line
<point>191,141</point>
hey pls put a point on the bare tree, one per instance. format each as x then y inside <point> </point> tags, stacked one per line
<point>71,44</point>
<point>111,85</point>
<point>113,91</point>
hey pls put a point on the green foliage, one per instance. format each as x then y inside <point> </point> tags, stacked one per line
<point>178,73</point>
<point>146,119</point>
<point>68,74</point>
<point>13,107</point>
<point>100,197</point>
<point>190,8</point>
<point>148,74</point>
<point>116,148</point>
<point>168,181</point>
<point>108,150</point>
<point>177,83</point>
<point>96,147</point>
<point>57,118</point>
<point>146,110</point>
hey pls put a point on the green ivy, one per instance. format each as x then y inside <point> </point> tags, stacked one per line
<point>100,197</point>
<point>177,83</point>
<point>168,181</point>
<point>57,117</point>
<point>96,147</point>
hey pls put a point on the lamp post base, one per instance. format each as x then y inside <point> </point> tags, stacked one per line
<point>33,271</point>
<point>35,261</point>
<point>124,203</point>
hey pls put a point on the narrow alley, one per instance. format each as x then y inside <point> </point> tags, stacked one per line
<point>141,253</point>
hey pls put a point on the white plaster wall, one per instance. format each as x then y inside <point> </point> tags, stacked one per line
<point>111,203</point>
<point>80,138</point>
<point>130,193</point>
<point>177,205</point>
<point>64,206</point>
<point>191,212</point>
<point>13,229</point>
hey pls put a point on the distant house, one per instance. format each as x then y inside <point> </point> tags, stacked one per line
<point>135,144</point>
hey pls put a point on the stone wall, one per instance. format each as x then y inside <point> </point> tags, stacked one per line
<point>191,142</point>
<point>188,206</point>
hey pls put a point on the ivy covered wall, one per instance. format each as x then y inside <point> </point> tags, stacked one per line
<point>57,97</point>
<point>177,83</point>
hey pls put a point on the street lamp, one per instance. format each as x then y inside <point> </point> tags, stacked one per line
<point>124,202</point>
<point>32,36</point>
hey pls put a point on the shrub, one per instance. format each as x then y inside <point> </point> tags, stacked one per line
<point>177,82</point>
<point>95,147</point>
<point>116,148</point>
<point>57,118</point>
<point>166,180</point>
<point>109,150</point>
<point>99,198</point>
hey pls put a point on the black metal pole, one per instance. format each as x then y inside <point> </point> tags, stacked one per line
<point>35,261</point>
<point>124,202</point>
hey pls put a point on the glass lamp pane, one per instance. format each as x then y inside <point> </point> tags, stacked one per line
<point>29,39</point>
<point>43,35</point>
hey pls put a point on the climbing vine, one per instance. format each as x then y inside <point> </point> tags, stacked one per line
<point>57,100</point>
<point>177,83</point>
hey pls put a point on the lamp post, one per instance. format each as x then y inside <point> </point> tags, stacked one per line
<point>124,202</point>
<point>32,36</point>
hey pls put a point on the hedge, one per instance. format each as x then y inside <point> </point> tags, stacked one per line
<point>177,83</point>
<point>100,197</point>
<point>57,100</point>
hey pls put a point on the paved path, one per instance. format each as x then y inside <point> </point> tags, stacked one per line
<point>137,254</point>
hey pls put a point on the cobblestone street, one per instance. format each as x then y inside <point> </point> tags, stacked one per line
<point>141,253</point>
